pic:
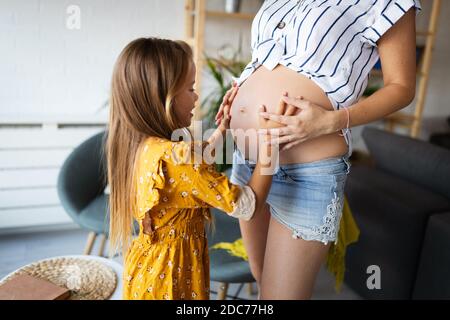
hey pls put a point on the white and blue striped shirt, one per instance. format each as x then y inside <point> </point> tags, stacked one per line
<point>332,42</point>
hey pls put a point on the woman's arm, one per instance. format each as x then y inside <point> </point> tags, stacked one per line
<point>397,50</point>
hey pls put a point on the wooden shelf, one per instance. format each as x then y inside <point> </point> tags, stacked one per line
<point>424,33</point>
<point>401,118</point>
<point>379,73</point>
<point>195,18</point>
<point>223,14</point>
<point>412,122</point>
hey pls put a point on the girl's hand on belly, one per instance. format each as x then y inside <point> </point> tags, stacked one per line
<point>245,139</point>
<point>309,122</point>
<point>227,101</point>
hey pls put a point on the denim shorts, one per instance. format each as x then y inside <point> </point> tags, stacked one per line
<point>307,197</point>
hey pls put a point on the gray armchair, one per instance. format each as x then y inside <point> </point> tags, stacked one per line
<point>81,184</point>
<point>392,203</point>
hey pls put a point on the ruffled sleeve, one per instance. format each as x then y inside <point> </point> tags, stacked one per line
<point>150,176</point>
<point>383,15</point>
<point>215,189</point>
<point>191,183</point>
<point>204,185</point>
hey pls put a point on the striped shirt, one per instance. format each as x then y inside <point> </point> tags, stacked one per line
<point>332,42</point>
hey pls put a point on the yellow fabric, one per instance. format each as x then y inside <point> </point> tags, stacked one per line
<point>236,248</point>
<point>172,262</point>
<point>348,234</point>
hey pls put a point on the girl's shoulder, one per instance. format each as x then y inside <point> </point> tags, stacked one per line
<point>160,159</point>
<point>156,149</point>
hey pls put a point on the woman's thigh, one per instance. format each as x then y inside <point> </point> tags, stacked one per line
<point>306,199</point>
<point>290,265</point>
<point>306,206</point>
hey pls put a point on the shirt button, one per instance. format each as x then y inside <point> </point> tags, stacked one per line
<point>281,25</point>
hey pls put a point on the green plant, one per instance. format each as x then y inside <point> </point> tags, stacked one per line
<point>222,70</point>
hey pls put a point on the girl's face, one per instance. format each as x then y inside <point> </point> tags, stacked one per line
<point>185,100</point>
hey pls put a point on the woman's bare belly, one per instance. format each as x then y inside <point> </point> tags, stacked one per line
<point>266,87</point>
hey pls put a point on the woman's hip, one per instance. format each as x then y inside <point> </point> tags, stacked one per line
<point>306,197</point>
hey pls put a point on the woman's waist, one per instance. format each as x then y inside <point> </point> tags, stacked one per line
<point>318,148</point>
<point>266,87</point>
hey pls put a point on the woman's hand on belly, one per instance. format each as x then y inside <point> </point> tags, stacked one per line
<point>249,137</point>
<point>309,122</point>
<point>283,109</point>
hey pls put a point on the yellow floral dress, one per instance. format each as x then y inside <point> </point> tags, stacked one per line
<point>173,262</point>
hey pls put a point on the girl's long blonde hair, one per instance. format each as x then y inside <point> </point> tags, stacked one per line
<point>147,76</point>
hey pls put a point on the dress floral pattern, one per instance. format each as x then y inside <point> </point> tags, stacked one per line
<point>172,262</point>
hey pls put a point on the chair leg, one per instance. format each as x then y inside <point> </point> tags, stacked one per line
<point>250,289</point>
<point>223,289</point>
<point>90,243</point>
<point>102,244</point>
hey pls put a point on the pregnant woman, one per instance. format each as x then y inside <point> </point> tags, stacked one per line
<point>320,53</point>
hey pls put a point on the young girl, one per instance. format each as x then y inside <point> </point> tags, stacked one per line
<point>155,181</point>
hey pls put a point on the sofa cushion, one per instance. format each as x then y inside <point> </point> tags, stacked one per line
<point>433,281</point>
<point>391,214</point>
<point>417,161</point>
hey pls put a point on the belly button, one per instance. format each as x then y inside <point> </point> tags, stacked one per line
<point>242,109</point>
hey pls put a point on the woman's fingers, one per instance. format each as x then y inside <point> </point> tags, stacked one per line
<point>298,102</point>
<point>290,110</point>
<point>281,105</point>
<point>281,131</point>
<point>287,120</point>
<point>281,140</point>
<point>290,145</point>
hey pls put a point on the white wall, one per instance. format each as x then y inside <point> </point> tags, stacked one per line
<point>437,107</point>
<point>50,74</point>
<point>47,68</point>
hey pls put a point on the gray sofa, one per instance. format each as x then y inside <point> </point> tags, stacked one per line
<point>402,207</point>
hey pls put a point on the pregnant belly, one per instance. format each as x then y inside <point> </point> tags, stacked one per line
<point>266,87</point>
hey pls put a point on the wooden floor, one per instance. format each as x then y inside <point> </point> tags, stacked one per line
<point>17,250</point>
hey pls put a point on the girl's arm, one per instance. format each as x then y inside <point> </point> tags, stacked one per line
<point>223,120</point>
<point>261,179</point>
